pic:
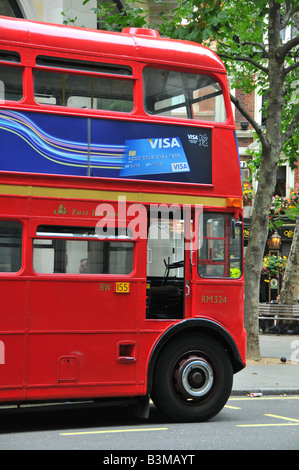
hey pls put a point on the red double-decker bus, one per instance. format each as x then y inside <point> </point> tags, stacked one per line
<point>121,270</point>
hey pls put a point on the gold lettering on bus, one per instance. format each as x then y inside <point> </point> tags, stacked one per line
<point>96,213</point>
<point>79,212</point>
<point>104,286</point>
<point>213,299</point>
<point>61,210</point>
<point>84,212</point>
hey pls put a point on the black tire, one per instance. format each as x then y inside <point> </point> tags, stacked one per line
<point>193,378</point>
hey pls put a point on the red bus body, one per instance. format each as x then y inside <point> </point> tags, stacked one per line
<point>66,335</point>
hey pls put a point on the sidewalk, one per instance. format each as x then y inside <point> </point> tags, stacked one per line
<point>271,376</point>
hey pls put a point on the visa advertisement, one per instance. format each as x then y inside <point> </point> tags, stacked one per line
<point>68,145</point>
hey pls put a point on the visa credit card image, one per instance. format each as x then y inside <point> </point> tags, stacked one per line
<point>154,155</point>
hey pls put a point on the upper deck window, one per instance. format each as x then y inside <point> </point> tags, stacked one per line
<point>83,91</point>
<point>10,77</point>
<point>10,83</point>
<point>75,90</point>
<point>183,95</point>
<point>83,65</point>
<point>9,56</point>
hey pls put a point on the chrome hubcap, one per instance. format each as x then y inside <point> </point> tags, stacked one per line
<point>193,377</point>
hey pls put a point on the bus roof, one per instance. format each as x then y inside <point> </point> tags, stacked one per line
<point>133,43</point>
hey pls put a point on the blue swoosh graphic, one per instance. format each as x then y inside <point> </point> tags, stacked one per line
<point>61,151</point>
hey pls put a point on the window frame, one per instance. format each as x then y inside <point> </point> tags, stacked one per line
<point>45,236</point>
<point>20,68</point>
<point>21,246</point>
<point>188,103</point>
<point>131,78</point>
<point>232,229</point>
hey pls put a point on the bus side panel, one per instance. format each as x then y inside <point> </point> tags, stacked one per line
<point>111,142</point>
<point>82,334</point>
<point>79,365</point>
<point>12,338</point>
<point>222,302</point>
<point>227,166</point>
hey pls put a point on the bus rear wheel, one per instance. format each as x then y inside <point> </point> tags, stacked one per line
<point>193,378</point>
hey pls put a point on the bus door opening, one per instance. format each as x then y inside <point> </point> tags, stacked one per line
<point>166,283</point>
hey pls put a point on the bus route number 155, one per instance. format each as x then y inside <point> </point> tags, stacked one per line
<point>122,287</point>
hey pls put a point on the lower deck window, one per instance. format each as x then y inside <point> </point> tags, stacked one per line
<point>82,257</point>
<point>10,246</point>
<point>83,91</point>
<point>59,254</point>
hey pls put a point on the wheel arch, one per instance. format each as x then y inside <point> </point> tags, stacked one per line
<point>200,325</point>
